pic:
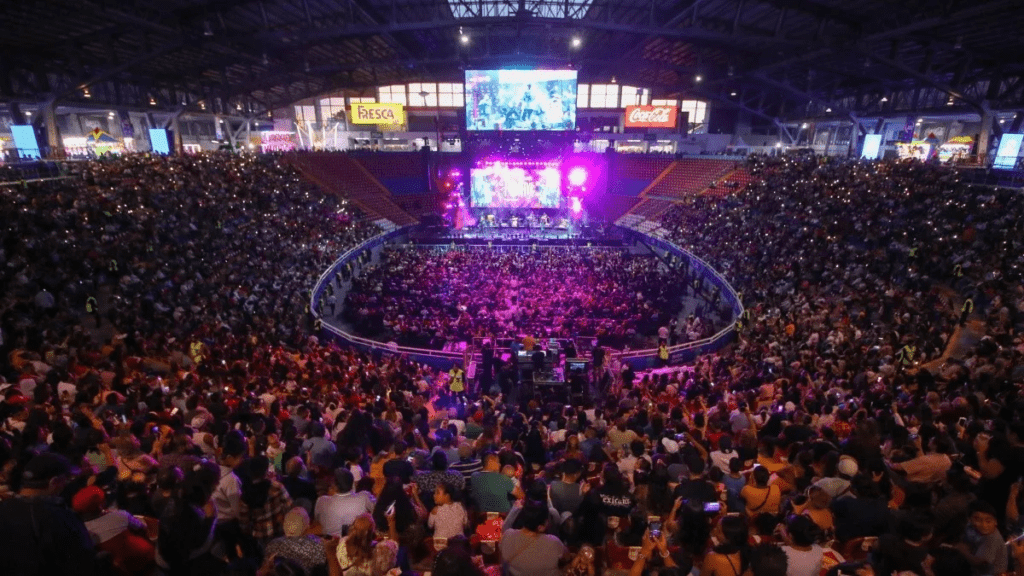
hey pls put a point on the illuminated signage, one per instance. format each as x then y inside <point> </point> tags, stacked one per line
<point>651,116</point>
<point>377,113</point>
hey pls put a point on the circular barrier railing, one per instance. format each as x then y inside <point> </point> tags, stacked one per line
<point>638,359</point>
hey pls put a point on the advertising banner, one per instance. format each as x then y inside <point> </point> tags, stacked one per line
<point>377,113</point>
<point>651,116</point>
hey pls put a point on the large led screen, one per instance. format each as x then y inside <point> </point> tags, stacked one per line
<point>25,141</point>
<point>516,185</point>
<point>1009,148</point>
<point>872,145</point>
<point>520,99</point>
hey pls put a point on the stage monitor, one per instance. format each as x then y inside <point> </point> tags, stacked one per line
<point>872,145</point>
<point>515,185</point>
<point>25,141</point>
<point>520,100</point>
<point>1009,149</point>
<point>573,364</point>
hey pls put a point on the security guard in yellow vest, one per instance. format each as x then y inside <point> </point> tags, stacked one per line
<point>456,380</point>
<point>196,352</point>
<point>93,307</point>
<point>958,271</point>
<point>905,356</point>
<point>663,354</point>
<point>966,310</point>
<point>112,266</point>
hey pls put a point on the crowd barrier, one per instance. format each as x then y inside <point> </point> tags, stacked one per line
<point>443,360</point>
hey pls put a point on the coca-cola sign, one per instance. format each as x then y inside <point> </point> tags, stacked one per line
<point>651,116</point>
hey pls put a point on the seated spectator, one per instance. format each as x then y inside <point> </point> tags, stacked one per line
<point>337,510</point>
<point>297,544</point>
<point>805,556</point>
<point>448,516</point>
<point>729,556</point>
<point>982,544</point>
<point>758,496</point>
<point>528,551</point>
<point>358,554</point>
<point>115,531</point>
<point>491,490</point>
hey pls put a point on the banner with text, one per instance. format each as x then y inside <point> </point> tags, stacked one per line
<point>651,116</point>
<point>377,113</point>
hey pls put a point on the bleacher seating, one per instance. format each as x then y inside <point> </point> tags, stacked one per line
<point>344,176</point>
<point>402,173</point>
<point>732,183</point>
<point>632,174</point>
<point>610,207</point>
<point>690,176</point>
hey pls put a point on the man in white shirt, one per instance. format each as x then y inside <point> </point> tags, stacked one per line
<point>227,497</point>
<point>335,512</point>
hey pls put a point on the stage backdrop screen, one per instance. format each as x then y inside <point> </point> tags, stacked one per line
<point>520,100</point>
<point>515,185</point>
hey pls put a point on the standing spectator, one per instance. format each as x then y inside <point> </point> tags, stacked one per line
<point>264,503</point>
<point>41,535</point>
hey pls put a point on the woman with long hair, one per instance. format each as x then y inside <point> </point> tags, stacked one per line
<point>728,558</point>
<point>359,554</point>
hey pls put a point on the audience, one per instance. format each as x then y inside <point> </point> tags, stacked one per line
<point>160,370</point>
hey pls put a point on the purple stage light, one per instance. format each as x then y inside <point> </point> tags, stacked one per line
<point>577,176</point>
<point>577,205</point>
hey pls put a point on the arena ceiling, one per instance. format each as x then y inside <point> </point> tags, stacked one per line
<point>786,59</point>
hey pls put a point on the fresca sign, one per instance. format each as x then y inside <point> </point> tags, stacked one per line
<point>377,113</point>
<point>651,116</point>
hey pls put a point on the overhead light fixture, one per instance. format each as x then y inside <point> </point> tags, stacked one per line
<point>803,126</point>
<point>828,109</point>
<point>464,39</point>
<point>28,112</point>
<point>614,81</point>
<point>86,93</point>
<point>576,42</point>
<point>951,101</point>
<point>152,101</point>
<point>733,93</point>
<point>698,78</point>
<point>110,114</point>
<point>884,99</point>
<point>920,120</point>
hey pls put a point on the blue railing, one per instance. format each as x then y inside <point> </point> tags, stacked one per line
<point>638,359</point>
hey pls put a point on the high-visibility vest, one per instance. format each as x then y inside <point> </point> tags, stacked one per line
<point>739,325</point>
<point>968,306</point>
<point>663,352</point>
<point>906,354</point>
<point>196,351</point>
<point>913,252</point>
<point>455,383</point>
<point>91,305</point>
<point>112,266</point>
<point>958,271</point>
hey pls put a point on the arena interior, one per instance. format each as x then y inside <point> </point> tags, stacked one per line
<point>534,288</point>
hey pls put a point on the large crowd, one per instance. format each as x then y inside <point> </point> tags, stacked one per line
<point>167,407</point>
<point>439,297</point>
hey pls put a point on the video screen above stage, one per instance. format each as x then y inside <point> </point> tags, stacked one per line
<point>520,100</point>
<point>516,185</point>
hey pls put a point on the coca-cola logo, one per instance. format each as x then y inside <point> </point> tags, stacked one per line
<point>648,116</point>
